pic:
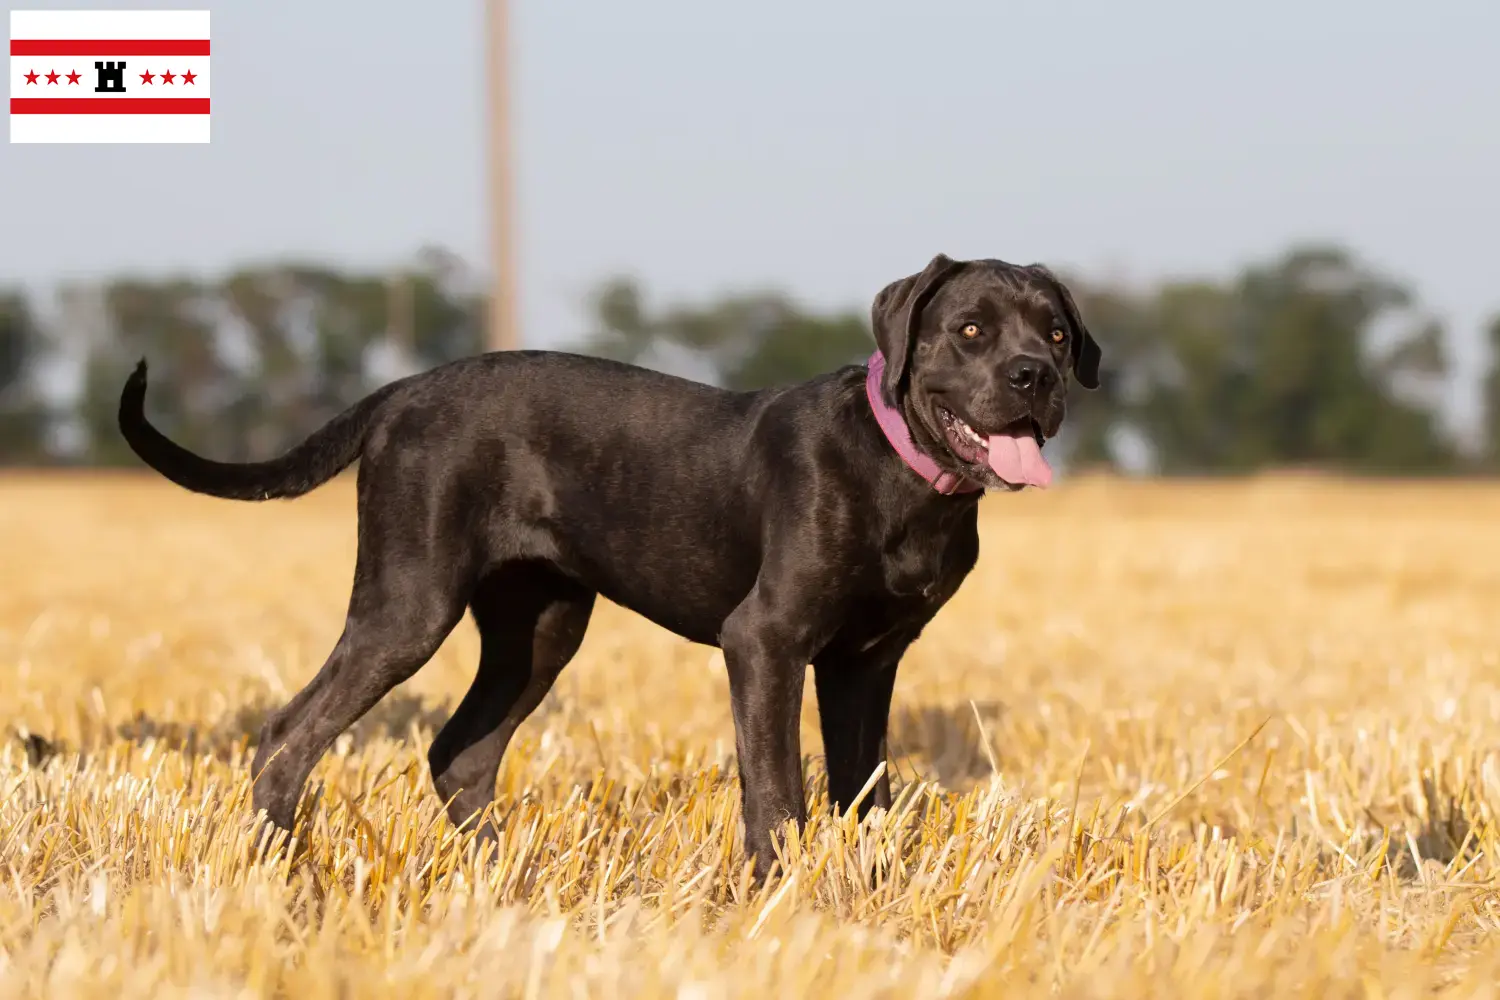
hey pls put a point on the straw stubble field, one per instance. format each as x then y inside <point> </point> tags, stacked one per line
<point>1228,740</point>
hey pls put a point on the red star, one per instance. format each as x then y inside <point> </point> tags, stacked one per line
<point>168,76</point>
<point>147,76</point>
<point>31,77</point>
<point>73,77</point>
<point>189,77</point>
<point>52,77</point>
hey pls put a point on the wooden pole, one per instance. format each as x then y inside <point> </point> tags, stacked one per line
<point>504,332</point>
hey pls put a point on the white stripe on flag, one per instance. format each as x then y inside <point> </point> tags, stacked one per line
<point>108,24</point>
<point>109,128</point>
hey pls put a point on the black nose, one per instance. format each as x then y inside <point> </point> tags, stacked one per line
<point>1028,374</point>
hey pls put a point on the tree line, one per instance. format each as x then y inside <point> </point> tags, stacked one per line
<point>1311,359</point>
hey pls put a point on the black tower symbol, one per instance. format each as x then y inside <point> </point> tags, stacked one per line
<point>111,77</point>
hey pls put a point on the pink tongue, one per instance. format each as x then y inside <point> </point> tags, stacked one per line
<point>1018,460</point>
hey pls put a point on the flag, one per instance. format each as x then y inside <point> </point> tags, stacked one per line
<point>109,76</point>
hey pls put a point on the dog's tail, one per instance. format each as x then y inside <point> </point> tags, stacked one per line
<point>329,450</point>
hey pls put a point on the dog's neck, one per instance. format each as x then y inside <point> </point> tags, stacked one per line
<point>893,425</point>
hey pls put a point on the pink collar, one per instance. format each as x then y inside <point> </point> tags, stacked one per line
<point>899,435</point>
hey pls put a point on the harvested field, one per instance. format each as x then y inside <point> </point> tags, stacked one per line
<point>1220,739</point>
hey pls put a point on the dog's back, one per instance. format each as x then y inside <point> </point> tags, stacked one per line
<point>626,479</point>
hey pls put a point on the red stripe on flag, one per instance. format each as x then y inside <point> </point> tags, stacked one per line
<point>106,47</point>
<point>109,105</point>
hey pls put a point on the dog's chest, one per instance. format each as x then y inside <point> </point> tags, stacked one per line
<point>918,571</point>
<point>885,625</point>
<point>923,566</point>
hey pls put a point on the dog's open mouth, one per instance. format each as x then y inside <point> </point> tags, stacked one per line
<point>1014,455</point>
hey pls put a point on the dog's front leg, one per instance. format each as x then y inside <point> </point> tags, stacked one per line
<point>767,653</point>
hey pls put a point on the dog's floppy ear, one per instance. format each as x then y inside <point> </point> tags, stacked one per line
<point>1086,353</point>
<point>898,308</point>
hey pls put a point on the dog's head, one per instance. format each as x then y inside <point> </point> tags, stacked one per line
<point>976,358</point>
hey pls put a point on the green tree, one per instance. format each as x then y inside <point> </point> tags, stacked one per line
<point>172,324</point>
<point>246,367</point>
<point>1280,367</point>
<point>747,341</point>
<point>23,418</point>
<point>1492,396</point>
<point>1121,321</point>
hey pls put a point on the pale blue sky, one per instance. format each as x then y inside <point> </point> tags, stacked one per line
<point>824,147</point>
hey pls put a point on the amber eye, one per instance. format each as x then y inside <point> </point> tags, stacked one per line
<point>971,330</point>
<point>1058,336</point>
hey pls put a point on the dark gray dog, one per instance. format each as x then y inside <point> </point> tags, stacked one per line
<point>821,523</point>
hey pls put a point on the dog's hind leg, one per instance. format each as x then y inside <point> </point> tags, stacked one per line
<point>376,652</point>
<point>410,590</point>
<point>531,621</point>
<point>384,643</point>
